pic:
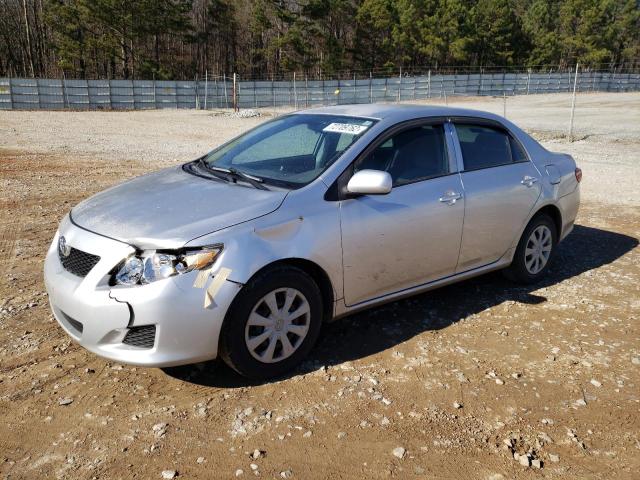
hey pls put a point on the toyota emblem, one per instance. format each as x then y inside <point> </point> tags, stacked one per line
<point>63,248</point>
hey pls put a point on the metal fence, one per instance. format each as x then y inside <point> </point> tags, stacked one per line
<point>218,92</point>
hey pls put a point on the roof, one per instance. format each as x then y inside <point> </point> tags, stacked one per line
<point>402,111</point>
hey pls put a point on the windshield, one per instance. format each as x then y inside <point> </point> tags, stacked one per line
<point>292,150</point>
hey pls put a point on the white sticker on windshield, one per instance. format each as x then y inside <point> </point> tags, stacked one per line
<point>348,128</point>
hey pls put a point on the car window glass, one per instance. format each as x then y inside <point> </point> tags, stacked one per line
<point>516,151</point>
<point>291,150</point>
<point>414,154</point>
<point>300,140</point>
<point>484,147</point>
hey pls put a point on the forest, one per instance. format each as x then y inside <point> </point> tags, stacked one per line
<point>267,39</point>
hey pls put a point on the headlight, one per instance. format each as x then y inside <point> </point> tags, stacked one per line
<point>156,265</point>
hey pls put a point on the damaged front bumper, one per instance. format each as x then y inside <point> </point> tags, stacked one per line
<point>160,324</point>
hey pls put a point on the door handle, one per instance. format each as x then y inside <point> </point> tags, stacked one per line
<point>528,181</point>
<point>450,197</point>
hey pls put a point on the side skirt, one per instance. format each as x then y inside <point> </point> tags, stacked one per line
<point>342,309</point>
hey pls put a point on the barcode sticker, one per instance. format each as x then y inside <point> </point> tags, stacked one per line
<point>348,128</point>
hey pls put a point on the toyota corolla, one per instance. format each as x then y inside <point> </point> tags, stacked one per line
<point>244,253</point>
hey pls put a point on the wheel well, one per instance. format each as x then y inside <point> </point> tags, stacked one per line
<point>555,215</point>
<point>318,275</point>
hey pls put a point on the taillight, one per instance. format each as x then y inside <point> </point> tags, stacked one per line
<point>578,174</point>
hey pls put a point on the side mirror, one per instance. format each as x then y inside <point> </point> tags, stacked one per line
<point>370,182</point>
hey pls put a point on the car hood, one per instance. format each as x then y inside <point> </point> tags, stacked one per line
<point>168,208</point>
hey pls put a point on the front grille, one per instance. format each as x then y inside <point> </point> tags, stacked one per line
<point>78,262</point>
<point>143,337</point>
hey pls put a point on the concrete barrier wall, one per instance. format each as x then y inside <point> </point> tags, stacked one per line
<point>59,94</point>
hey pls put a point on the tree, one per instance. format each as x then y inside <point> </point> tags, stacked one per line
<point>374,28</point>
<point>498,36</point>
<point>540,23</point>
<point>180,39</point>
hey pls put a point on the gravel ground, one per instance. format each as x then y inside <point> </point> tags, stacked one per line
<point>476,380</point>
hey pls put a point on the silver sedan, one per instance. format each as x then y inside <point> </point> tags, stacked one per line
<point>243,253</point>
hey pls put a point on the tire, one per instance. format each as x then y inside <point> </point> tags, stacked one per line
<point>528,265</point>
<point>250,319</point>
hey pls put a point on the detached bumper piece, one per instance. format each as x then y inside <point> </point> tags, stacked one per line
<point>141,337</point>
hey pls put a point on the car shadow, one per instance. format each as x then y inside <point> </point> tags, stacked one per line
<point>379,328</point>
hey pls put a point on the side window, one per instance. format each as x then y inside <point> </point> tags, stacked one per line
<point>414,154</point>
<point>484,147</point>
<point>517,152</point>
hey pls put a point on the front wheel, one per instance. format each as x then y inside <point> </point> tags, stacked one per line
<point>272,324</point>
<point>534,252</point>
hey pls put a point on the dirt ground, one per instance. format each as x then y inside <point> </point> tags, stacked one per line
<point>448,384</point>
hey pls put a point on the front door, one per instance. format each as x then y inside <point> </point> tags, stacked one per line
<point>412,235</point>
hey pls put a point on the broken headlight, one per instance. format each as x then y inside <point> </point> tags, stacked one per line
<point>156,265</point>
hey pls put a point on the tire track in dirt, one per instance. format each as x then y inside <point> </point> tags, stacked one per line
<point>9,232</point>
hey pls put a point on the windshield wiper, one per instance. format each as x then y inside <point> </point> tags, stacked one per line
<point>256,182</point>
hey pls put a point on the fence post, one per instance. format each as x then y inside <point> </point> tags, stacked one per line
<point>560,82</point>
<point>65,100</point>
<point>215,86</point>
<point>400,85</point>
<point>155,101</point>
<point>370,87</point>
<point>355,94</point>
<point>504,101</point>
<point>255,95</point>
<point>10,94</point>
<point>480,88</point>
<point>226,96</point>
<point>429,84</point>
<point>197,96</point>
<point>295,91</point>
<point>573,103</point>
<point>306,91</point>
<point>206,88</point>
<point>110,100</point>
<point>38,92</point>
<point>273,93</point>
<point>235,93</point>
<point>528,80</point>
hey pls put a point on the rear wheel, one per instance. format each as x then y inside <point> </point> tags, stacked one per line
<point>535,251</point>
<point>272,324</point>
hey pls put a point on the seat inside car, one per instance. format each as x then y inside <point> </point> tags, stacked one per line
<point>419,154</point>
<point>488,148</point>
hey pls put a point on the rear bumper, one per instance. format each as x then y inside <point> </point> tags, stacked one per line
<point>179,330</point>
<point>569,206</point>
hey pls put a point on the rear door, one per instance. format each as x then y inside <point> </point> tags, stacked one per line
<point>501,186</point>
<point>411,235</point>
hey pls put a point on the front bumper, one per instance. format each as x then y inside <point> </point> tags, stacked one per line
<point>99,316</point>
